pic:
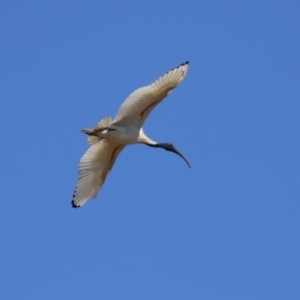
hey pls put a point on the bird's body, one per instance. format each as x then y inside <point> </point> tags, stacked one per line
<point>109,137</point>
<point>122,135</point>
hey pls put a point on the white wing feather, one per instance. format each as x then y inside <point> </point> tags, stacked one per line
<point>94,166</point>
<point>141,102</point>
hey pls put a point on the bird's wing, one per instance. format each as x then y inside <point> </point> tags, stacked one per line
<point>94,166</point>
<point>140,103</point>
<point>93,139</point>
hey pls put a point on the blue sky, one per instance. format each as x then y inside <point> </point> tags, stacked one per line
<point>226,229</point>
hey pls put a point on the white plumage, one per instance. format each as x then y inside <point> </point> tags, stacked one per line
<point>108,138</point>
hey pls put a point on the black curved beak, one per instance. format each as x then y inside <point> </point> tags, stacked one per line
<point>170,147</point>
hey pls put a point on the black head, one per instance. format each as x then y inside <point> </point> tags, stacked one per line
<point>170,147</point>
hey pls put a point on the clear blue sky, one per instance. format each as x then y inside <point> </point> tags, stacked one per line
<point>226,229</point>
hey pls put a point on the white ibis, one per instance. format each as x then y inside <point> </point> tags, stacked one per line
<point>109,137</point>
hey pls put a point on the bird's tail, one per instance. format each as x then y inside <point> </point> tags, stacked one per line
<point>106,122</point>
<point>93,138</point>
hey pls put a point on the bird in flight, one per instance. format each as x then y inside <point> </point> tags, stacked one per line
<point>109,137</point>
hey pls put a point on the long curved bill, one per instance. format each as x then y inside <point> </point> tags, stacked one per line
<point>170,147</point>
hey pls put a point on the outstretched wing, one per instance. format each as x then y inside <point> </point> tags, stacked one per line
<point>141,102</point>
<point>94,166</point>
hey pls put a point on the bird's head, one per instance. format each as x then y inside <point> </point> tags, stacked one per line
<point>170,147</point>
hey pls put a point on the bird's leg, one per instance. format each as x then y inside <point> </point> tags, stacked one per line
<point>88,131</point>
<point>100,129</point>
<point>95,130</point>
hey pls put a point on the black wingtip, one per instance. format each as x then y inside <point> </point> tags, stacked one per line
<point>73,202</point>
<point>74,205</point>
<point>183,64</point>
